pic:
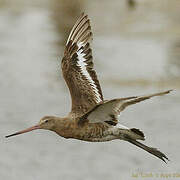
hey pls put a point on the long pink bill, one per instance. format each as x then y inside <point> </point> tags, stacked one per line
<point>24,131</point>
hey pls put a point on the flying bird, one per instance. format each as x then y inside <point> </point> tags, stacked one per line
<point>91,118</point>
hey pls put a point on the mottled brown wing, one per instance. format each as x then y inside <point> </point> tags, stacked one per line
<point>77,67</point>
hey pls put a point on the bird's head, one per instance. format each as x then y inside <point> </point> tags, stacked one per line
<point>47,122</point>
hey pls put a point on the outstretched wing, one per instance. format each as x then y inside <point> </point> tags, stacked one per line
<point>109,110</point>
<point>77,67</point>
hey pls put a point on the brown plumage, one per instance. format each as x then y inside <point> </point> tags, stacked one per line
<point>91,118</point>
<point>76,64</point>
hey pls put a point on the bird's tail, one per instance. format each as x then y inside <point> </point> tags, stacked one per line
<point>151,150</point>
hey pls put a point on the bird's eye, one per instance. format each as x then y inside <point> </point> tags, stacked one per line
<point>46,121</point>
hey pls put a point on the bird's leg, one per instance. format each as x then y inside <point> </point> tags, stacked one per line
<point>151,150</point>
<point>133,133</point>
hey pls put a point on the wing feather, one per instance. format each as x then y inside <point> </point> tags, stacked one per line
<point>108,111</point>
<point>77,67</point>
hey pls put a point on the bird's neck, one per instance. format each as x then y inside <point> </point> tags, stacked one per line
<point>64,127</point>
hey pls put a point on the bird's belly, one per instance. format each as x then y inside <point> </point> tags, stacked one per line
<point>100,139</point>
<point>93,133</point>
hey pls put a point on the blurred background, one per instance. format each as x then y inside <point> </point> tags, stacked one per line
<point>136,50</point>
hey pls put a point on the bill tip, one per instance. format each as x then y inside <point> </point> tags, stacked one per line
<point>7,136</point>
